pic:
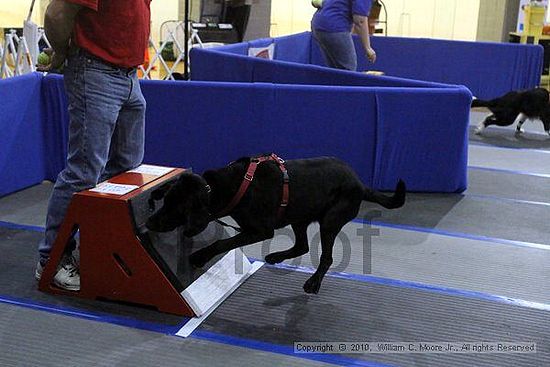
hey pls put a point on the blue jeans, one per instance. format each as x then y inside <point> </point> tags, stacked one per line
<point>338,49</point>
<point>106,133</point>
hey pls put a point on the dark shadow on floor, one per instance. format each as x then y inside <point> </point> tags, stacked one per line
<point>505,138</point>
<point>421,210</point>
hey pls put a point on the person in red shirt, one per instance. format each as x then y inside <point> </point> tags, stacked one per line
<point>100,43</point>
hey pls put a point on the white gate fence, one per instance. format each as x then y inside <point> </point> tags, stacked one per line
<point>18,54</point>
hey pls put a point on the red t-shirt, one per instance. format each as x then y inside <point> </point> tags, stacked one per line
<point>116,31</point>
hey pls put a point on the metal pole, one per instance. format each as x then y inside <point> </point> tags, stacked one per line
<point>385,16</point>
<point>30,11</point>
<point>186,46</point>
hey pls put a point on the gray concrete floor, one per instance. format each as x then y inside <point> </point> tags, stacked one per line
<point>491,239</point>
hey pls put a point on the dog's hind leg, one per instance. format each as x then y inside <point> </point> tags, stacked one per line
<point>330,226</point>
<point>328,235</point>
<point>522,119</point>
<point>300,247</point>
<point>546,122</point>
<point>201,257</point>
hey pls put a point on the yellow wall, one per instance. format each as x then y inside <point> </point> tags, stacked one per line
<point>447,19</point>
<point>290,16</point>
<point>14,12</point>
<point>450,19</point>
<point>161,11</point>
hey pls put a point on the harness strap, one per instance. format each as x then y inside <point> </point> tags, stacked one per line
<point>285,194</point>
<point>249,176</point>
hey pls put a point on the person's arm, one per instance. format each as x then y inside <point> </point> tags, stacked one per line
<point>361,26</point>
<point>58,25</point>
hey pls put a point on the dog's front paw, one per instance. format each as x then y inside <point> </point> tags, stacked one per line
<point>479,128</point>
<point>312,285</point>
<point>519,131</point>
<point>198,259</point>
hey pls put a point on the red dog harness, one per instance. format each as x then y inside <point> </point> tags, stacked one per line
<point>249,176</point>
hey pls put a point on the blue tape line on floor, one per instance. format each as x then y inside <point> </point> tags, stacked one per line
<point>204,335</point>
<point>23,227</point>
<point>87,315</point>
<point>420,286</point>
<point>284,349</point>
<point>441,232</point>
<point>535,150</point>
<point>502,241</point>
<point>271,347</point>
<point>449,291</point>
<point>511,200</point>
<point>542,175</point>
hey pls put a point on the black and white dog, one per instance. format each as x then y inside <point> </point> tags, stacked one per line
<point>323,190</point>
<point>529,104</point>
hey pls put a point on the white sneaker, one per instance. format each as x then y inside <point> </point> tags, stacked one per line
<point>67,276</point>
<point>38,271</point>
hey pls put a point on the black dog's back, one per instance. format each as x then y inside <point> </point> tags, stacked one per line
<point>535,102</point>
<point>316,185</point>
<point>336,179</point>
<point>531,102</point>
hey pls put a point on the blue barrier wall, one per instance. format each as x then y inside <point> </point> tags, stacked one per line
<point>383,133</point>
<point>250,119</point>
<point>418,138</point>
<point>487,69</point>
<point>218,65</point>
<point>22,144</point>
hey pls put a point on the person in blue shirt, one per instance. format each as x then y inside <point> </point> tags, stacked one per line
<point>332,26</point>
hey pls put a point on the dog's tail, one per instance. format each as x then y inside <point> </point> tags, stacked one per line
<point>389,202</point>
<point>481,103</point>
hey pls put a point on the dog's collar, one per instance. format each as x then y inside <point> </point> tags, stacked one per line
<point>247,180</point>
